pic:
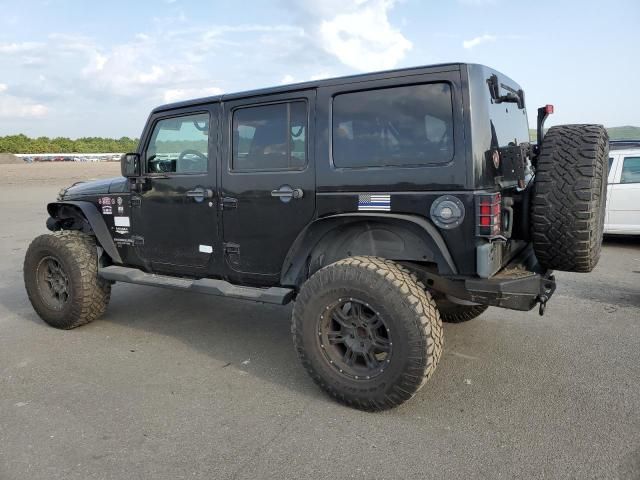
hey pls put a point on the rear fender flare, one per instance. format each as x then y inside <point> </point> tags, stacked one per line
<point>397,237</point>
<point>88,219</point>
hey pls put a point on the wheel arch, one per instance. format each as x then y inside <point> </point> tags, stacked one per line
<point>399,237</point>
<point>83,216</point>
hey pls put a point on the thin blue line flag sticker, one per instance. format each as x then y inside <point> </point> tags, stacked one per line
<point>376,202</point>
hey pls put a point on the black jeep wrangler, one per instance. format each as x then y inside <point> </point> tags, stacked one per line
<point>382,204</point>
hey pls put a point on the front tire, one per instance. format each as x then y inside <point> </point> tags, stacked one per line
<point>61,278</point>
<point>367,333</point>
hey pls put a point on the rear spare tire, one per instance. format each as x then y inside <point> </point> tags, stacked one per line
<point>568,202</point>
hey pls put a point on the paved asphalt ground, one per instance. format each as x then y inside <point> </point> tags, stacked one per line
<point>172,385</point>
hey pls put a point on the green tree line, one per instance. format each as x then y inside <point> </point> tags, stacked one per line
<point>23,144</point>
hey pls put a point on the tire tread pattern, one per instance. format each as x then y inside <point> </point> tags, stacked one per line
<point>461,313</point>
<point>426,330</point>
<point>95,292</point>
<point>568,204</point>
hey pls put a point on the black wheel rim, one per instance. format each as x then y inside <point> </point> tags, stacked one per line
<point>354,339</point>
<point>53,283</point>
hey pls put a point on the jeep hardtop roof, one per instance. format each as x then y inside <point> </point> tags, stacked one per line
<point>317,83</point>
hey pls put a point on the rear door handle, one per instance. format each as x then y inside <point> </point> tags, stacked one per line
<point>199,194</point>
<point>286,193</point>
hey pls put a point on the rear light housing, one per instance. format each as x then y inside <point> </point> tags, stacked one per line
<point>489,215</point>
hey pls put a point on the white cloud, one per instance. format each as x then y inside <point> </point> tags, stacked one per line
<point>19,47</point>
<point>320,76</point>
<point>18,107</point>
<point>177,94</point>
<point>478,3</point>
<point>474,42</point>
<point>138,68</point>
<point>170,61</point>
<point>356,32</point>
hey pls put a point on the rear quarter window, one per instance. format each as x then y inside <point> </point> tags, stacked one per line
<point>630,170</point>
<point>393,127</point>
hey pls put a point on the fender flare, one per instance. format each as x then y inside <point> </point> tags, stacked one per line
<point>422,240</point>
<point>95,221</point>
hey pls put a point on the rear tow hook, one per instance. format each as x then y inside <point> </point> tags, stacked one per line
<point>543,304</point>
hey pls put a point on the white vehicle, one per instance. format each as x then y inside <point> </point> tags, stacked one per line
<point>623,190</point>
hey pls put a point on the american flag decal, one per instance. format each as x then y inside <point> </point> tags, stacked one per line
<point>378,202</point>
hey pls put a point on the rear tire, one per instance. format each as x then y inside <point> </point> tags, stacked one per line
<point>61,278</point>
<point>453,313</point>
<point>367,333</point>
<point>569,196</point>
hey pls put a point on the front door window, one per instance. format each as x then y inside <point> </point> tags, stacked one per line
<point>179,145</point>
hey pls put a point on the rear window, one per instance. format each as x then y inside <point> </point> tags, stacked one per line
<point>630,170</point>
<point>507,112</point>
<point>270,137</point>
<point>400,126</point>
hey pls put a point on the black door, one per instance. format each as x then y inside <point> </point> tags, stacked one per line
<point>267,182</point>
<point>174,213</point>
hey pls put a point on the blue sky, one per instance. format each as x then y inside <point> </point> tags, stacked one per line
<point>77,68</point>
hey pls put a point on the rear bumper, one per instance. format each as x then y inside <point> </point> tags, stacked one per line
<point>519,286</point>
<point>514,293</point>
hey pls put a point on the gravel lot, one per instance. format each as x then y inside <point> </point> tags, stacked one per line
<point>172,385</point>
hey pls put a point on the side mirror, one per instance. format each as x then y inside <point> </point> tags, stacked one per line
<point>130,165</point>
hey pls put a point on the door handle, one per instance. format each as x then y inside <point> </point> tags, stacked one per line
<point>285,193</point>
<point>199,194</point>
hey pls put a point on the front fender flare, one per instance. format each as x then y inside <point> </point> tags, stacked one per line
<point>95,220</point>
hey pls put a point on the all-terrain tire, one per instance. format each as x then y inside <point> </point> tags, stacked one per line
<point>407,311</point>
<point>452,313</point>
<point>568,203</point>
<point>86,295</point>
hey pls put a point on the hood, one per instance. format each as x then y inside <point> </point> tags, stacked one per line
<point>96,187</point>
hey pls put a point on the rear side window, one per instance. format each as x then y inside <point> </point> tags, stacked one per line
<point>270,137</point>
<point>400,126</point>
<point>610,175</point>
<point>630,170</point>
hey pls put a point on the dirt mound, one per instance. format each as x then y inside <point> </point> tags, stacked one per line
<point>6,158</point>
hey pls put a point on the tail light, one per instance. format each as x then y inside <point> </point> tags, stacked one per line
<point>489,215</point>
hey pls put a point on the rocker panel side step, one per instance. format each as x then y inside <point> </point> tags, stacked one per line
<point>276,295</point>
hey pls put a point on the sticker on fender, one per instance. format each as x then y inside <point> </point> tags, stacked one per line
<point>121,221</point>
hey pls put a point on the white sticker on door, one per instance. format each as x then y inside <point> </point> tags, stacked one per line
<point>121,221</point>
<point>206,248</point>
